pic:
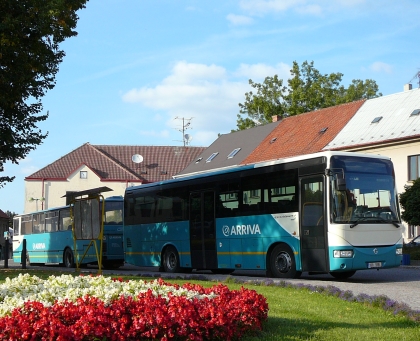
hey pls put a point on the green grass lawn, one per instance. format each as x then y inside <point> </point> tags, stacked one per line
<point>301,314</point>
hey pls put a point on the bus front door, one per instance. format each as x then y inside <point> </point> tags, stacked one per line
<point>202,230</point>
<point>313,236</point>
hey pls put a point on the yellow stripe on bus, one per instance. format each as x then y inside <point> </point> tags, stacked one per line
<point>226,253</point>
<point>150,253</point>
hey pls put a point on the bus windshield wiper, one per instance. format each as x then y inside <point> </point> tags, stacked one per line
<point>388,221</point>
<point>358,221</point>
<point>374,218</point>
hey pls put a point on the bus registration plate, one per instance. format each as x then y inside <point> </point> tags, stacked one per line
<point>375,265</point>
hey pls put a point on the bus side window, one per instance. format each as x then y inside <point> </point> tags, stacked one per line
<point>65,220</point>
<point>27,224</point>
<point>227,204</point>
<point>38,223</point>
<point>252,196</point>
<point>16,231</point>
<point>165,209</point>
<point>51,221</point>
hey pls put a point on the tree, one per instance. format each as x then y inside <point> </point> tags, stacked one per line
<point>267,102</point>
<point>307,90</point>
<point>410,203</point>
<point>30,34</point>
<point>11,215</point>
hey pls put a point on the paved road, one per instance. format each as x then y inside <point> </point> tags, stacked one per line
<point>401,284</point>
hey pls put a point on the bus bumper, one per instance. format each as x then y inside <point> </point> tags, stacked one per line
<point>370,257</point>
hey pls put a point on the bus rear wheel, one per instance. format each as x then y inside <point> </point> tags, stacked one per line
<point>282,263</point>
<point>171,260</point>
<point>68,258</point>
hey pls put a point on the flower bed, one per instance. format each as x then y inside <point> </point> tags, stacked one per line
<point>99,308</point>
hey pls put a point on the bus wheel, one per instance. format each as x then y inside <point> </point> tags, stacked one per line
<point>68,258</point>
<point>171,260</point>
<point>342,275</point>
<point>282,263</point>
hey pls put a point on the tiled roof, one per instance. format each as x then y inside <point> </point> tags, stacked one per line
<point>3,215</point>
<point>247,140</point>
<point>305,133</point>
<point>396,122</point>
<point>114,163</point>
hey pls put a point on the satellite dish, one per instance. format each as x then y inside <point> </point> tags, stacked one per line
<point>188,137</point>
<point>136,158</point>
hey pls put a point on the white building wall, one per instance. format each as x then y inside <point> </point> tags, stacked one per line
<point>52,191</point>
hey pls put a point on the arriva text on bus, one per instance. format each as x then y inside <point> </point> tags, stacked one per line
<point>241,230</point>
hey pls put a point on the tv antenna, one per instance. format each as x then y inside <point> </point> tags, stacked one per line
<point>186,124</point>
<point>187,139</point>
<point>137,158</point>
<point>417,75</point>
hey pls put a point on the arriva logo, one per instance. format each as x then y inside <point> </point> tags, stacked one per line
<point>38,246</point>
<point>241,230</point>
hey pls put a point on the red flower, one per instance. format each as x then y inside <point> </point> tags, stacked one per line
<point>228,316</point>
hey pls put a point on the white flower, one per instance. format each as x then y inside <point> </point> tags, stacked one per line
<point>15,292</point>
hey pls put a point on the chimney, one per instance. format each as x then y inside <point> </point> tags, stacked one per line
<point>408,87</point>
<point>276,118</point>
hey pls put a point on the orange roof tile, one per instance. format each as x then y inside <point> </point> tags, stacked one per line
<point>304,133</point>
<point>113,163</point>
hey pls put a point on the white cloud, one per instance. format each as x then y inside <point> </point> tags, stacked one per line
<point>258,72</point>
<point>381,67</point>
<point>28,170</point>
<point>205,93</point>
<point>312,7</point>
<point>258,7</point>
<point>152,133</point>
<point>239,19</point>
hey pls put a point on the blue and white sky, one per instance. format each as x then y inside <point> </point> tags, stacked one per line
<point>138,67</point>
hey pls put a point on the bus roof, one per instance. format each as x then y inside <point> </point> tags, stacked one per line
<point>275,162</point>
<point>238,168</point>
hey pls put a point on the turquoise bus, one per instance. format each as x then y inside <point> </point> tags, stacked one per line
<point>329,212</point>
<point>49,237</point>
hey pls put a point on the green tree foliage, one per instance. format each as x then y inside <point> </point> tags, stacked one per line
<point>410,203</point>
<point>307,90</point>
<point>30,34</point>
<point>267,102</point>
<point>11,215</point>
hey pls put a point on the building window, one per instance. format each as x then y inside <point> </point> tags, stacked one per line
<point>83,174</point>
<point>233,153</point>
<point>377,119</point>
<point>413,167</point>
<point>211,157</point>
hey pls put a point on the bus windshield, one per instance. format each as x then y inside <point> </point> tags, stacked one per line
<point>113,212</point>
<point>370,195</point>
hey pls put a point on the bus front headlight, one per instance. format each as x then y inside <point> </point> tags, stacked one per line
<point>398,251</point>
<point>343,253</point>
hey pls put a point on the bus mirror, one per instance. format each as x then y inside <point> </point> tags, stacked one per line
<point>340,184</point>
